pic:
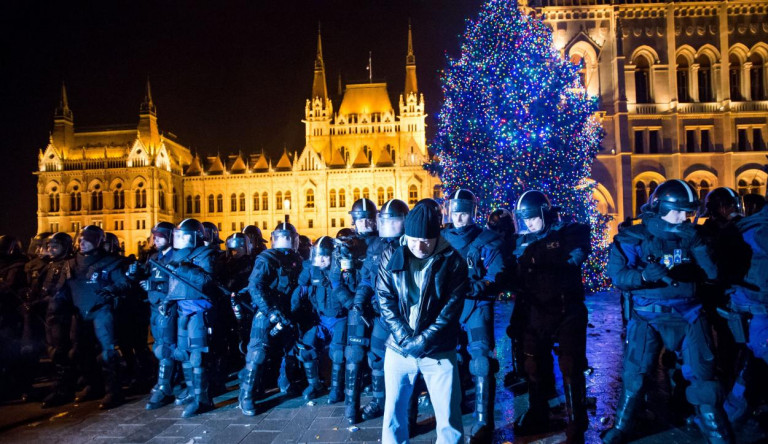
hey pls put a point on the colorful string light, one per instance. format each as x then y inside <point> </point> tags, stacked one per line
<point>516,117</point>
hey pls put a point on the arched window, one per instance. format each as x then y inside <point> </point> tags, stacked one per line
<point>380,196</point>
<point>705,79</point>
<point>198,205</point>
<point>278,200</point>
<point>211,203</point>
<point>332,199</point>
<point>75,201</point>
<point>97,198</point>
<point>641,196</point>
<point>175,198</point>
<point>366,193</point>
<point>437,192</point>
<point>161,198</point>
<point>701,188</point>
<point>577,60</point>
<point>256,201</point>
<point>390,193</point>
<point>288,198</point>
<point>342,198</point>
<point>264,201</point>
<point>734,78</point>
<point>642,80</point>
<point>355,194</point>
<point>310,203</point>
<point>756,79</point>
<point>220,203</point>
<point>413,195</point>
<point>233,202</point>
<point>683,79</point>
<point>241,199</point>
<point>54,201</point>
<point>189,205</point>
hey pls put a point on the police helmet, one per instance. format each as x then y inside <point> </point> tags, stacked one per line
<point>93,234</point>
<point>673,194</point>
<point>63,240</point>
<point>305,247</point>
<point>211,234</point>
<point>9,246</point>
<point>254,233</point>
<point>753,203</point>
<point>238,240</point>
<point>363,209</point>
<point>722,197</point>
<point>501,221</point>
<point>112,244</point>
<point>285,236</point>
<point>391,222</point>
<point>191,227</point>
<point>345,232</point>
<point>38,245</point>
<point>164,229</point>
<point>323,247</point>
<point>462,201</point>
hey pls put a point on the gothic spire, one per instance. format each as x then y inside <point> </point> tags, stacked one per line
<point>63,110</point>
<point>411,86</point>
<point>319,88</point>
<point>148,106</point>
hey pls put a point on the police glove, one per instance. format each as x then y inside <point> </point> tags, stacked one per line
<point>165,308</point>
<point>478,288</point>
<point>654,272</point>
<point>145,285</point>
<point>414,346</point>
<point>275,316</point>
<point>686,230</point>
<point>105,296</point>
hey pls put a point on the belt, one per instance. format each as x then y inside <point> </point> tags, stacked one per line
<point>655,308</point>
<point>751,308</point>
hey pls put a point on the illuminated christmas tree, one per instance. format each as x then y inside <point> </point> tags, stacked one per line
<point>516,117</point>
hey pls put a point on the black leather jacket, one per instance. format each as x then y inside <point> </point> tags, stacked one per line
<point>441,303</point>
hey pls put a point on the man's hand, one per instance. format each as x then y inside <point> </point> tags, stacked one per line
<point>414,346</point>
<point>654,272</point>
<point>145,285</point>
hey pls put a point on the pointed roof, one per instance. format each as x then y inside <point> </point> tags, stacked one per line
<point>259,162</point>
<point>214,165</point>
<point>194,168</point>
<point>361,159</point>
<point>337,160</point>
<point>385,159</point>
<point>319,88</point>
<point>236,164</point>
<point>63,111</point>
<point>148,106</point>
<point>284,163</point>
<point>411,85</point>
<point>365,98</point>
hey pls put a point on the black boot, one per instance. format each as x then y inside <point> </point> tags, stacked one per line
<point>314,389</point>
<point>482,431</point>
<point>187,394</point>
<point>536,419</point>
<point>624,413</point>
<point>248,378</point>
<point>576,412</point>
<point>114,396</point>
<point>162,392</point>
<point>63,389</point>
<point>202,402</point>
<point>714,424</point>
<point>352,392</point>
<point>375,408</point>
<point>337,384</point>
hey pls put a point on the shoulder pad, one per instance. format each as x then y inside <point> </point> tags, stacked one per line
<point>633,234</point>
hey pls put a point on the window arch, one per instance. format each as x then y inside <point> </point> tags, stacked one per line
<point>332,198</point>
<point>241,200</point>
<point>366,193</point>
<point>756,77</point>
<point>264,201</point>
<point>342,198</point>
<point>355,194</point>
<point>683,79</point>
<point>141,196</point>
<point>256,201</point>
<point>97,198</point>
<point>54,202</point>
<point>702,182</point>
<point>644,185</point>
<point>198,205</point>
<point>220,203</point>
<point>279,200</point>
<point>751,182</point>
<point>211,203</point>
<point>380,197</point>
<point>75,201</point>
<point>734,77</point>
<point>413,195</point>
<point>642,79</point>
<point>189,204</point>
<point>706,91</point>
<point>287,197</point>
<point>310,201</point>
<point>233,202</point>
<point>119,196</point>
<point>390,193</point>
<point>161,198</point>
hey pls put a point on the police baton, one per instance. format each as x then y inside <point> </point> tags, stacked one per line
<point>666,279</point>
<point>167,271</point>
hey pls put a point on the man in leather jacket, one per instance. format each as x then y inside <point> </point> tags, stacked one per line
<point>420,288</point>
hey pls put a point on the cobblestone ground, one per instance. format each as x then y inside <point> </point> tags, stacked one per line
<point>292,421</point>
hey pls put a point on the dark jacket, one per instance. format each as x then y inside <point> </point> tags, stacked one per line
<point>274,277</point>
<point>315,288</point>
<point>95,280</point>
<point>441,301</point>
<point>365,292</point>
<point>158,281</point>
<point>753,288</point>
<point>481,248</point>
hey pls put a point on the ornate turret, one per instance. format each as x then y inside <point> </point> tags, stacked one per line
<point>319,89</point>
<point>148,132</point>
<point>63,135</point>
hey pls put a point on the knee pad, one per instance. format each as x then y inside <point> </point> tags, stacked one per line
<point>180,355</point>
<point>337,355</point>
<point>257,356</point>
<point>704,393</point>
<point>354,354</point>
<point>307,354</point>
<point>375,362</point>
<point>196,358</point>
<point>480,366</point>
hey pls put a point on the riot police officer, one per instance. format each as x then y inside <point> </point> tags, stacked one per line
<point>235,271</point>
<point>272,282</point>
<point>190,290</point>
<point>58,320</point>
<point>95,280</point>
<point>162,323</point>
<point>345,279</point>
<point>331,323</point>
<point>12,284</point>
<point>257,241</point>
<point>212,238</point>
<point>550,254</point>
<point>661,261</point>
<point>481,249</point>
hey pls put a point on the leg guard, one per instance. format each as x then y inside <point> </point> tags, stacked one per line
<point>314,388</point>
<point>576,412</point>
<point>202,402</point>
<point>114,396</point>
<point>713,424</point>
<point>337,384</point>
<point>482,430</point>
<point>375,408</point>
<point>248,379</point>
<point>628,404</point>
<point>185,396</point>
<point>352,392</point>
<point>162,393</point>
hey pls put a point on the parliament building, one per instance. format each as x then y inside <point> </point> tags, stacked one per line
<point>682,87</point>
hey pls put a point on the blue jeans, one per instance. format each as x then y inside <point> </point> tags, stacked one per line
<point>441,374</point>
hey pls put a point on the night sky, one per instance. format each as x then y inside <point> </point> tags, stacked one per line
<point>226,76</point>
